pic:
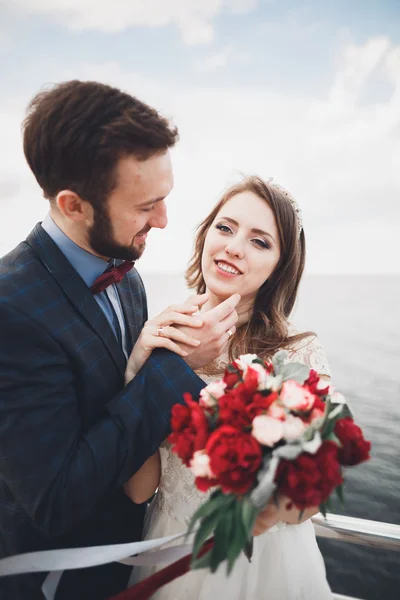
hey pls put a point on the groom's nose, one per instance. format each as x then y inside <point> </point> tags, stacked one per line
<point>159,217</point>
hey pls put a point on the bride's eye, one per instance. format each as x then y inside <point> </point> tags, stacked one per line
<point>223,228</point>
<point>262,243</point>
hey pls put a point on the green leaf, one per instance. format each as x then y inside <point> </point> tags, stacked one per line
<point>295,371</point>
<point>332,438</point>
<point>258,361</point>
<point>337,410</point>
<point>327,429</point>
<point>346,412</point>
<point>238,536</point>
<point>216,501</point>
<point>249,515</point>
<point>203,562</point>
<point>207,526</point>
<point>219,550</point>
<point>278,360</point>
<point>328,504</point>
<point>248,549</point>
<point>322,509</point>
<point>339,492</point>
<point>328,406</point>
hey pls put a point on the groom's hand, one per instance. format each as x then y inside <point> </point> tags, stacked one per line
<point>213,335</point>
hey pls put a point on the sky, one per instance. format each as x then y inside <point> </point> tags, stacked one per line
<point>306,92</point>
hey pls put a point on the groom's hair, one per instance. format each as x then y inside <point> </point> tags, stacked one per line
<point>76,132</point>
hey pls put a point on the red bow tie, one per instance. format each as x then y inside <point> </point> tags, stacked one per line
<point>111,275</point>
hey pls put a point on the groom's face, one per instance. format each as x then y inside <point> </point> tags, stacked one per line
<point>136,205</point>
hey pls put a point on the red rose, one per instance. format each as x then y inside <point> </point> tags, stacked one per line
<point>232,410</point>
<point>183,445</point>
<point>189,429</point>
<point>250,382</point>
<point>317,409</point>
<point>310,478</point>
<point>180,417</point>
<point>232,378</point>
<point>260,404</point>
<point>318,404</point>
<point>204,483</point>
<point>312,384</point>
<point>235,458</point>
<point>355,449</point>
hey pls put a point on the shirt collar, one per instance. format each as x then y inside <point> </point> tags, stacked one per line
<point>87,265</point>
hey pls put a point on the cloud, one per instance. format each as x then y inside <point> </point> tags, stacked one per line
<point>339,157</point>
<point>219,60</point>
<point>193,18</point>
<point>356,65</point>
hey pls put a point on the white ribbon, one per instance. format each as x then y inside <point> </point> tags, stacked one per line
<point>57,561</point>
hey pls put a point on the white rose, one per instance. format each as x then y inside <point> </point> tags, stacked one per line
<point>267,431</point>
<point>293,428</point>
<point>200,465</point>
<point>274,383</point>
<point>244,361</point>
<point>210,394</point>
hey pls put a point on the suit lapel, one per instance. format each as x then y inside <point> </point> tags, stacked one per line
<point>78,293</point>
<point>126,295</point>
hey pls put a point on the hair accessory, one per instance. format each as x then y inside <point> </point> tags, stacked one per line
<point>292,201</point>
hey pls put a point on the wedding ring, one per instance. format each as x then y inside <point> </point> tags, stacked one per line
<point>159,332</point>
<point>230,334</point>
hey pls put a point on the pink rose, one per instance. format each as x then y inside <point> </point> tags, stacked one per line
<point>267,431</point>
<point>245,361</point>
<point>295,397</point>
<point>210,394</point>
<point>276,411</point>
<point>293,428</point>
<point>200,465</point>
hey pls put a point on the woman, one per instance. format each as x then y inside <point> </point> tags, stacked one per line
<point>251,243</point>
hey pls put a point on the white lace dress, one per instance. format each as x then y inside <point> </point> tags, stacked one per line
<point>286,562</point>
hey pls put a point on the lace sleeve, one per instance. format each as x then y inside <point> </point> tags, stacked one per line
<point>310,352</point>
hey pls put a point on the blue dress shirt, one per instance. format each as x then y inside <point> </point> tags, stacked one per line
<point>89,267</point>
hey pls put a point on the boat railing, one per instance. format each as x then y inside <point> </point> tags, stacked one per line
<point>374,534</point>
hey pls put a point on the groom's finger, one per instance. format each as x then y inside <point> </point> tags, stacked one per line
<point>190,306</point>
<point>220,312</point>
<point>198,300</point>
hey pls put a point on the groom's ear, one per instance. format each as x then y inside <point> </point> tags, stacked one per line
<point>73,207</point>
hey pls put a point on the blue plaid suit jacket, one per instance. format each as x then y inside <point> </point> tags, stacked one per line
<point>70,433</point>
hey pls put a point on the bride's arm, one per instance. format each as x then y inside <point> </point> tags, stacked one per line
<point>284,512</point>
<point>142,485</point>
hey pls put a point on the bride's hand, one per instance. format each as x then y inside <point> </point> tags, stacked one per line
<point>161,333</point>
<point>284,511</point>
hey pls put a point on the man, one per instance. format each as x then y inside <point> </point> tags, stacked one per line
<point>71,433</point>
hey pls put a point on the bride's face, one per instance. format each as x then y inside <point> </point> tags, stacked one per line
<point>241,249</point>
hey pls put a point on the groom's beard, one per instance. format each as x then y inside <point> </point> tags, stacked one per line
<point>102,240</point>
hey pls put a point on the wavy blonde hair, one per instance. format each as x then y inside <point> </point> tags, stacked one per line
<point>267,330</point>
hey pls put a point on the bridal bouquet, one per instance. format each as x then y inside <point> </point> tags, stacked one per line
<point>266,428</point>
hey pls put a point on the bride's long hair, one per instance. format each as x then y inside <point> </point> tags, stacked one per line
<point>267,330</point>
